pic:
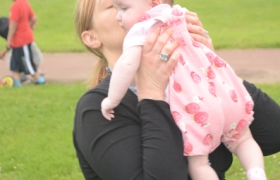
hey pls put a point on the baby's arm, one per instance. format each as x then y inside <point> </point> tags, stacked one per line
<point>122,76</point>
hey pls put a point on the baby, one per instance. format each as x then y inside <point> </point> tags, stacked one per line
<point>208,101</point>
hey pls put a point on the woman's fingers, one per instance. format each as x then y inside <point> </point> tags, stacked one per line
<point>197,31</point>
<point>151,40</point>
<point>206,40</point>
<point>192,18</point>
<point>152,78</point>
<point>158,45</point>
<point>167,50</point>
<point>194,25</point>
<point>162,40</point>
<point>153,73</point>
<point>173,59</point>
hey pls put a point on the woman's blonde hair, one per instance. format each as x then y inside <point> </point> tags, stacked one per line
<point>83,22</point>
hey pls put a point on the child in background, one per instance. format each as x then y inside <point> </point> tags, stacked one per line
<point>20,38</point>
<point>36,52</point>
<point>208,101</point>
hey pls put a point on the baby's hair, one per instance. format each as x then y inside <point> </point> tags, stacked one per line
<point>170,2</point>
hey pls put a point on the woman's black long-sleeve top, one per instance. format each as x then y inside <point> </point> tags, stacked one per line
<point>141,142</point>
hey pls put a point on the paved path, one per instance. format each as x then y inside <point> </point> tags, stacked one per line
<point>255,65</point>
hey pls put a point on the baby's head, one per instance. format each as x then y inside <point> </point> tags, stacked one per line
<point>130,12</point>
<point>170,2</point>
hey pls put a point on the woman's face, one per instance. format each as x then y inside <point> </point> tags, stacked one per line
<point>107,28</point>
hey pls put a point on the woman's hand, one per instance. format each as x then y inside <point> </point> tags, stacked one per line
<point>153,73</point>
<point>197,31</point>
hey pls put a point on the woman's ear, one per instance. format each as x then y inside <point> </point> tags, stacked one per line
<point>155,2</point>
<point>90,39</point>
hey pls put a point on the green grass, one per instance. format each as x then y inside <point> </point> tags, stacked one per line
<point>35,133</point>
<point>240,24</point>
<point>232,23</point>
<point>55,29</point>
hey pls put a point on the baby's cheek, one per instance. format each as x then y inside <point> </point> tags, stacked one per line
<point>130,23</point>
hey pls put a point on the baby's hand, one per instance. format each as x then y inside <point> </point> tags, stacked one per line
<point>107,109</point>
<point>2,54</point>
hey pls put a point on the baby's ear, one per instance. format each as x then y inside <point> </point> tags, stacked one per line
<point>90,39</point>
<point>155,2</point>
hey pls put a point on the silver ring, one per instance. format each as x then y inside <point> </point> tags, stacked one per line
<point>164,57</point>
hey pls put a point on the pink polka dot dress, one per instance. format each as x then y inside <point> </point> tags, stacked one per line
<point>208,101</point>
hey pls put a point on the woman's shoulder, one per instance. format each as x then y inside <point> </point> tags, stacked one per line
<point>93,97</point>
<point>91,100</point>
<point>102,88</point>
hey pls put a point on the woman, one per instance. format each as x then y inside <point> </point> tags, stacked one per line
<point>143,142</point>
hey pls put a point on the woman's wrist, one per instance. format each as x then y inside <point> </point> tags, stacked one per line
<point>159,96</point>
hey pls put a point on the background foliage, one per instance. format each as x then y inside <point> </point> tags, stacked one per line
<point>232,23</point>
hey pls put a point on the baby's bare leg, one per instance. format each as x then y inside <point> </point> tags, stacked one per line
<point>250,156</point>
<point>199,168</point>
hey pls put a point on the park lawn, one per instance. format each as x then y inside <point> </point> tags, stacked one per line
<point>55,31</point>
<point>234,24</point>
<point>36,125</point>
<point>239,24</point>
<point>36,132</point>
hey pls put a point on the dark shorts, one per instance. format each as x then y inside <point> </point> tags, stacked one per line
<point>22,60</point>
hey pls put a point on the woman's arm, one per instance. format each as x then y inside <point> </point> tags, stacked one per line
<point>148,146</point>
<point>266,125</point>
